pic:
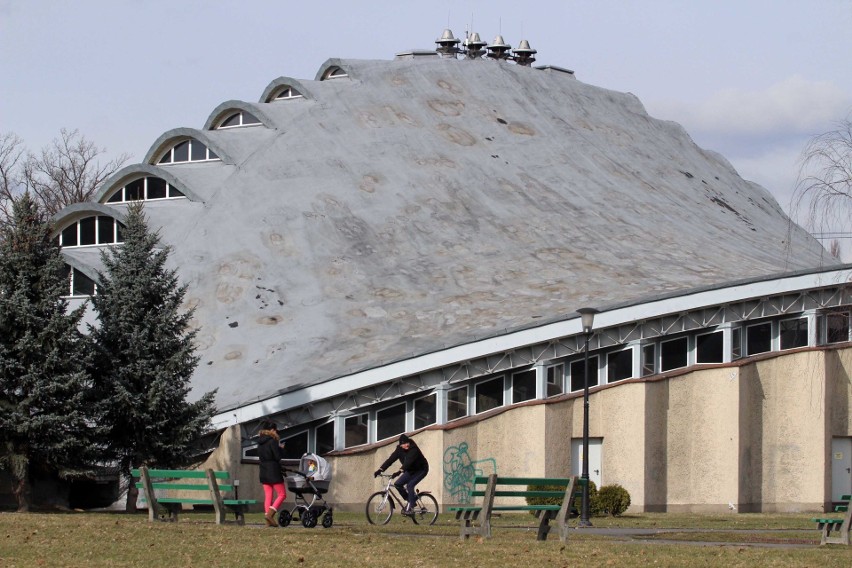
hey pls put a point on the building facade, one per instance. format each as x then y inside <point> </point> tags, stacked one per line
<point>401,246</point>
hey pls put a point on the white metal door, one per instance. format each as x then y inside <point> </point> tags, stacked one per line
<point>841,467</point>
<point>594,458</point>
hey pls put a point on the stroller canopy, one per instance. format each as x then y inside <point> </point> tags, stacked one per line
<point>316,467</point>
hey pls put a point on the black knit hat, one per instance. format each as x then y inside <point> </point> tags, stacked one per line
<point>403,439</point>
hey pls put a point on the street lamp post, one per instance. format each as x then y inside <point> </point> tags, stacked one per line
<point>587,317</point>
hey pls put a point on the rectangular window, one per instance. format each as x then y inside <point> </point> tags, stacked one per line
<point>324,438</point>
<point>355,428</point>
<point>489,395</point>
<point>794,333</point>
<point>619,365</point>
<point>69,236</point>
<point>457,403</point>
<point>523,386</point>
<point>156,188</point>
<point>759,338</point>
<point>425,411</point>
<point>390,422</point>
<point>577,371</point>
<point>295,446</point>
<point>181,152</point>
<point>106,230</point>
<point>649,359</point>
<point>555,379</point>
<point>736,343</point>
<point>710,347</point>
<point>199,151</point>
<point>837,326</point>
<point>673,354</point>
<point>135,190</point>
<point>87,231</point>
<point>81,284</point>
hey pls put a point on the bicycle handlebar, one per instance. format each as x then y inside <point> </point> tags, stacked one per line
<point>393,475</point>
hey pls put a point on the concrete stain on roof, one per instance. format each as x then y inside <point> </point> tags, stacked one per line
<point>422,203</point>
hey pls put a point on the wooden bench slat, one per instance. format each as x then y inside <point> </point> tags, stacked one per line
<point>525,481</point>
<point>547,494</point>
<point>181,473</point>
<point>185,501</point>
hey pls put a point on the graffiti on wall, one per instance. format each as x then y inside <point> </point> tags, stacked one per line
<point>460,469</point>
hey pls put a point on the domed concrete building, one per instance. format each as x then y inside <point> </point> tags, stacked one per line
<point>402,246</point>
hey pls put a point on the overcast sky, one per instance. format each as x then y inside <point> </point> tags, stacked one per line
<point>751,79</point>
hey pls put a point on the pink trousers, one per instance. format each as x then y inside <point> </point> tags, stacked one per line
<point>280,492</point>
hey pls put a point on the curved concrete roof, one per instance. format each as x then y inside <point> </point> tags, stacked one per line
<point>432,202</point>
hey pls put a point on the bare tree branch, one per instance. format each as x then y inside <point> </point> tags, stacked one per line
<point>11,152</point>
<point>67,171</point>
<point>824,188</point>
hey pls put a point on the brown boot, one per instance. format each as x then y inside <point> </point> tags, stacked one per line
<point>271,517</point>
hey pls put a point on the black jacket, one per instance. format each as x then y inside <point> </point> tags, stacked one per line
<point>412,460</point>
<point>270,455</point>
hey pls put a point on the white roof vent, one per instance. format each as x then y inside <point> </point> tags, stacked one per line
<point>523,54</point>
<point>499,49</point>
<point>447,44</point>
<point>474,46</point>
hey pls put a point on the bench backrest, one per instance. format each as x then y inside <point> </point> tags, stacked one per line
<point>174,480</point>
<point>560,483</point>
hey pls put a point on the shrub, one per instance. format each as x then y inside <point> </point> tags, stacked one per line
<point>612,500</point>
<point>593,499</point>
<point>544,500</point>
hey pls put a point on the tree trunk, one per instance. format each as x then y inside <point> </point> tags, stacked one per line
<point>132,495</point>
<point>21,489</point>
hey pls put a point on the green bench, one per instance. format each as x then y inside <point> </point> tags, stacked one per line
<point>499,486</point>
<point>840,527</point>
<point>166,491</point>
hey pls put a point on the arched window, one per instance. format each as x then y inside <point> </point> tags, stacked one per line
<point>79,284</point>
<point>91,231</point>
<point>287,92</point>
<point>145,189</point>
<point>188,151</point>
<point>238,119</point>
<point>334,73</point>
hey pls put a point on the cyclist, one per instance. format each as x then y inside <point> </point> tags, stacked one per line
<point>414,469</point>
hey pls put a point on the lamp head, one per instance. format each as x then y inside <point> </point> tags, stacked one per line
<point>587,317</point>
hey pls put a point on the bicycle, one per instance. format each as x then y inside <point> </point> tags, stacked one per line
<point>381,504</point>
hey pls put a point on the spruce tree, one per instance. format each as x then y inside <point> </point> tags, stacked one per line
<point>46,425</point>
<point>145,356</point>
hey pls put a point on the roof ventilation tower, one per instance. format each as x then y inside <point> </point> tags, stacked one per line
<point>523,54</point>
<point>499,49</point>
<point>447,44</point>
<point>474,46</point>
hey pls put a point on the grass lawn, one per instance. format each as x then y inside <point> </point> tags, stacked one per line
<point>113,539</point>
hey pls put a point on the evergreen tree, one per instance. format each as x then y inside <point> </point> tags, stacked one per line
<point>145,355</point>
<point>46,428</point>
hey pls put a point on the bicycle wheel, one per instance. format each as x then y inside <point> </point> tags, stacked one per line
<point>425,509</point>
<point>379,508</point>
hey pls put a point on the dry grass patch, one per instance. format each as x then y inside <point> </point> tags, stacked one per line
<point>92,539</point>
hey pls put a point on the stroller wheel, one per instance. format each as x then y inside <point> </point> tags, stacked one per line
<point>309,519</point>
<point>327,521</point>
<point>284,518</point>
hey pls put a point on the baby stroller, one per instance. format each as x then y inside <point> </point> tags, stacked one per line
<point>308,485</point>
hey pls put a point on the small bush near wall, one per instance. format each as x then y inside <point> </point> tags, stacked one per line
<point>611,500</point>
<point>578,501</point>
